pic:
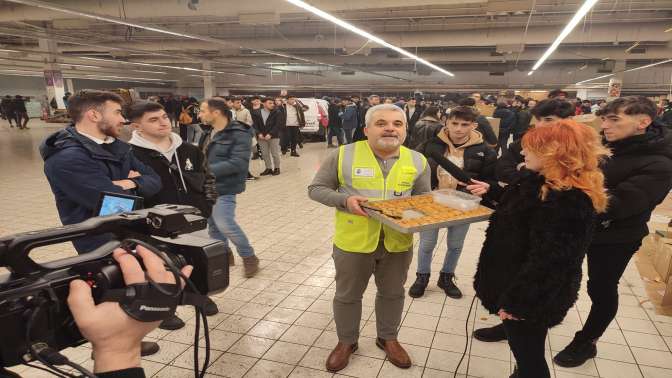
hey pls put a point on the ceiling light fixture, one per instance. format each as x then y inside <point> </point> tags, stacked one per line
<point>585,8</point>
<point>630,70</point>
<point>164,66</point>
<point>77,65</point>
<point>347,26</point>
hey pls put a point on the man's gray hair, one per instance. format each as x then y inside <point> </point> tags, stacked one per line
<point>372,110</point>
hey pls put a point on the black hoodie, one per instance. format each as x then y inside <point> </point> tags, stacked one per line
<point>638,178</point>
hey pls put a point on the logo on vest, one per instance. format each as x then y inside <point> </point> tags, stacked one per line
<point>188,166</point>
<point>364,172</point>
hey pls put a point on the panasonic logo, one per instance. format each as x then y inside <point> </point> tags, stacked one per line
<point>154,309</point>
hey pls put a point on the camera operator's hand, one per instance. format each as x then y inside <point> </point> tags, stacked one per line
<point>114,335</point>
<point>125,184</point>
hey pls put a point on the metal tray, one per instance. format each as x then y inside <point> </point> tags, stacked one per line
<point>393,223</point>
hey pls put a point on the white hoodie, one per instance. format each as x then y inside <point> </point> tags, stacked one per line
<point>138,140</point>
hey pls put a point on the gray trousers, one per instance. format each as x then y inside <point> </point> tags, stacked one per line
<point>270,148</point>
<point>353,271</point>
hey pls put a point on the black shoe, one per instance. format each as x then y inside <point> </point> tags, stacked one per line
<point>256,157</point>
<point>266,172</point>
<point>250,177</point>
<point>300,145</point>
<point>576,353</point>
<point>211,308</point>
<point>447,283</point>
<point>284,152</point>
<point>294,154</point>
<point>276,171</point>
<point>491,334</point>
<point>417,290</point>
<point>515,373</point>
<point>172,323</point>
<point>330,146</point>
<point>147,348</point>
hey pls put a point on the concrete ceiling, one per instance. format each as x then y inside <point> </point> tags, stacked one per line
<point>486,43</point>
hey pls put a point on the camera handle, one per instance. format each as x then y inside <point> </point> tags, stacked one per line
<point>14,253</point>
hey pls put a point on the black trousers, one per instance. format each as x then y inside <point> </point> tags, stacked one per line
<point>21,119</point>
<point>527,341</point>
<point>606,264</point>
<point>294,135</point>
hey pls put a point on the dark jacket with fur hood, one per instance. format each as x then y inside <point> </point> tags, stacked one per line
<point>530,264</point>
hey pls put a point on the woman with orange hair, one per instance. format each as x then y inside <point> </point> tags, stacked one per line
<point>529,271</point>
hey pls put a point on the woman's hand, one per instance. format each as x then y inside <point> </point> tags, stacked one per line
<point>478,188</point>
<point>505,315</point>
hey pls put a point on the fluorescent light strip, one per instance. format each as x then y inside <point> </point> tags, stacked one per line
<point>630,70</point>
<point>77,65</point>
<point>161,66</point>
<point>367,35</point>
<point>585,8</point>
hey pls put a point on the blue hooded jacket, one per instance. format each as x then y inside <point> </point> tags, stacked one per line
<point>78,170</point>
<point>228,157</point>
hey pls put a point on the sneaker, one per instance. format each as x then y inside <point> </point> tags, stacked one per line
<point>276,171</point>
<point>576,353</point>
<point>172,323</point>
<point>417,290</point>
<point>447,283</point>
<point>294,153</point>
<point>491,334</point>
<point>266,172</point>
<point>251,265</point>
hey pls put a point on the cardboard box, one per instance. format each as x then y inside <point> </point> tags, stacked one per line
<point>486,110</point>
<point>589,119</point>
<point>659,292</point>
<point>662,259</point>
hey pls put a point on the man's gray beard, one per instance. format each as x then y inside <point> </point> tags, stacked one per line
<point>383,145</point>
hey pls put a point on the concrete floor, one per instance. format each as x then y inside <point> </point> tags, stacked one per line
<point>279,323</point>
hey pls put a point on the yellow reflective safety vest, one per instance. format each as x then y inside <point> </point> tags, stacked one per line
<point>359,174</point>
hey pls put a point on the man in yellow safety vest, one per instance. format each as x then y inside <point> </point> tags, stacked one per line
<point>374,169</point>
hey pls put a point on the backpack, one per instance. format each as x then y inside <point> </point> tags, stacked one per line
<point>185,118</point>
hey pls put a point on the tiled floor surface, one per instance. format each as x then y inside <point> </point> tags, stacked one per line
<point>279,323</point>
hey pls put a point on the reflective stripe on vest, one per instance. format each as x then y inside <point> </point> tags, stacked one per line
<point>359,173</point>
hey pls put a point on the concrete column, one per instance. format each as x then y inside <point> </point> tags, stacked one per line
<point>52,73</point>
<point>208,81</point>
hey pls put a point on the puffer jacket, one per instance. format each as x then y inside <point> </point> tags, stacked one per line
<point>530,263</point>
<point>228,155</point>
<point>638,178</point>
<point>425,129</point>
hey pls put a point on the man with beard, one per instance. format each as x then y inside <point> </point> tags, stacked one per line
<point>374,169</point>
<point>86,158</point>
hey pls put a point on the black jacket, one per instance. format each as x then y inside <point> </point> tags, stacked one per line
<point>523,118</point>
<point>638,177</point>
<point>334,118</point>
<point>425,130</point>
<point>78,170</point>
<point>485,128</point>
<point>530,264</point>
<point>506,167</point>
<point>192,191</point>
<point>506,116</point>
<point>273,124</point>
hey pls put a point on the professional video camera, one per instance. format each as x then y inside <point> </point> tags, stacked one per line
<point>33,306</point>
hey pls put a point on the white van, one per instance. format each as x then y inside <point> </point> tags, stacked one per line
<point>314,116</point>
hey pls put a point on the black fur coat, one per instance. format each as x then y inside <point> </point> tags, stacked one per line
<point>530,264</point>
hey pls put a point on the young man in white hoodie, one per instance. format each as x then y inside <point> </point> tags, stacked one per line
<point>181,166</point>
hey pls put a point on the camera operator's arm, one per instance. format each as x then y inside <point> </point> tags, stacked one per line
<point>115,336</point>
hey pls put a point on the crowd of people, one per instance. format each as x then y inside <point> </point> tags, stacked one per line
<point>560,193</point>
<point>13,110</point>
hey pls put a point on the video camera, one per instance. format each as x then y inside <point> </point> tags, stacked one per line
<point>30,286</point>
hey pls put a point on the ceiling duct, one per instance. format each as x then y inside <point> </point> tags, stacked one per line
<point>638,50</point>
<point>496,73</point>
<point>259,19</point>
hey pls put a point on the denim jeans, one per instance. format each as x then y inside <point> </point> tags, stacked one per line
<point>456,236</point>
<point>348,135</point>
<point>222,225</point>
<point>335,132</point>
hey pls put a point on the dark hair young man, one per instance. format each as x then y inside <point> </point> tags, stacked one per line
<point>294,121</point>
<point>181,166</point>
<point>227,149</point>
<point>85,159</point>
<point>484,126</point>
<point>638,177</point>
<point>459,144</point>
<point>267,123</point>
<point>511,164</point>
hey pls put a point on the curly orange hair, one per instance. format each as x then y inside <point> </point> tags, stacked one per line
<point>570,153</point>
